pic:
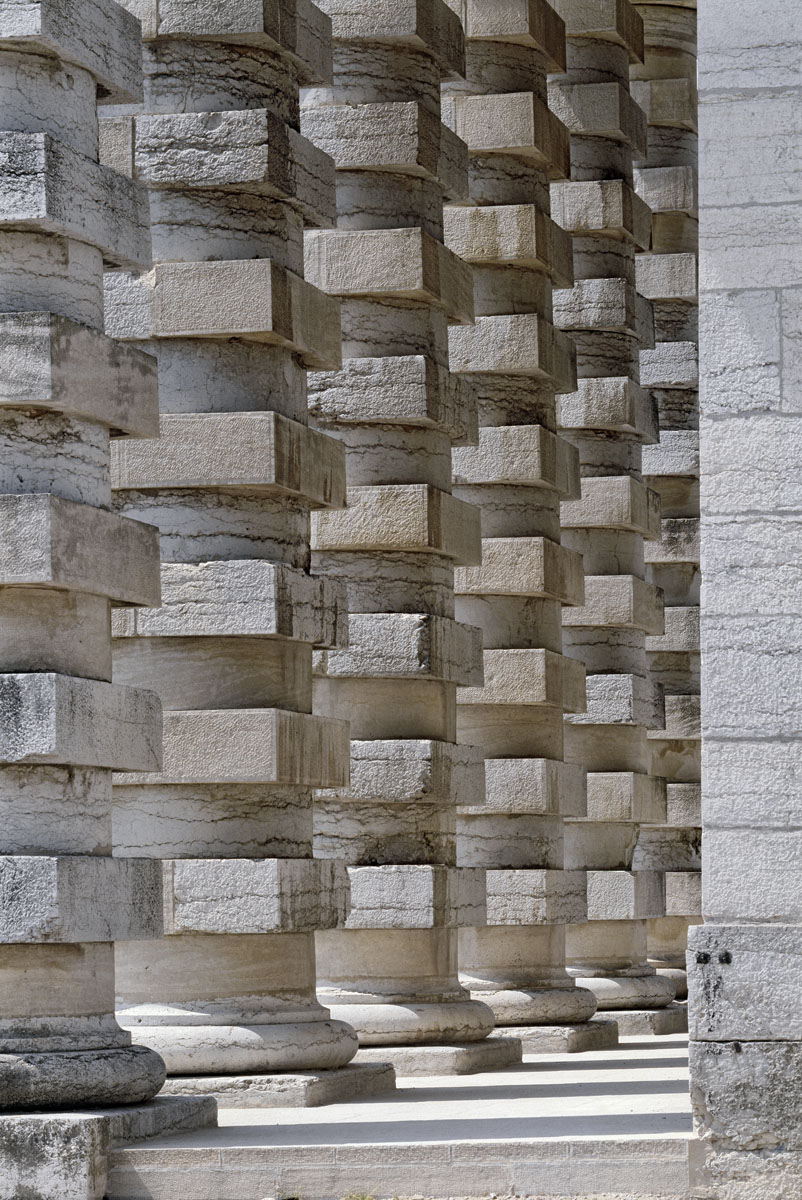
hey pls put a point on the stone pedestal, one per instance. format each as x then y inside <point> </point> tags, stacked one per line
<point>608,419</point>
<point>230,991</point>
<point>392,972</point>
<point>664,86</point>
<point>515,361</point>
<point>65,559</point>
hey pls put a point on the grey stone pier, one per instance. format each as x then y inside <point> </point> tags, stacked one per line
<point>744,962</point>
<point>228,996</point>
<point>392,971</point>
<point>515,361</point>
<point>608,419</point>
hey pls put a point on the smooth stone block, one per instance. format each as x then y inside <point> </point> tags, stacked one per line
<point>78,898</point>
<point>49,542</point>
<point>49,718</point>
<point>492,1054</point>
<point>205,450</point>
<point>652,1022</point>
<point>535,897</point>
<point>300,1089</point>
<point>49,362</point>
<point>599,1033</point>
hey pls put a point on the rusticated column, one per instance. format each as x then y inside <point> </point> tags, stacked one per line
<point>608,419</point>
<point>515,360</point>
<point>65,559</point>
<point>228,997</point>
<point>392,972</point>
<point>665,88</point>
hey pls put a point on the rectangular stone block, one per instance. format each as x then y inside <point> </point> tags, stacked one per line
<point>518,344</point>
<point>667,277</point>
<point>541,786</point>
<point>402,517</point>
<point>408,646</point>
<point>535,897</point>
<point>49,187</point>
<point>599,110</point>
<point>613,404</point>
<point>245,598</point>
<point>54,1156</point>
<point>746,1095</point>
<point>683,803</point>
<point>415,897</point>
<point>531,23</point>
<point>49,362</point>
<point>205,450</point>
<point>671,102</point>
<point>257,745</point>
<point>618,602</point>
<point>625,796</point>
<point>529,677</point>
<point>625,895</point>
<point>49,542</point>
<point>49,718</point>
<point>683,893</point>
<point>601,206</point>
<point>247,151</point>
<point>410,390</point>
<point>681,634</point>
<point>610,304</point>
<point>752,875</point>
<point>97,35</point>
<point>403,771</point>
<point>403,264</point>
<point>668,189</point>
<point>670,365</point>
<point>605,20</point>
<point>614,502</point>
<point>677,453</point>
<point>516,123</point>
<point>424,24</point>
<point>79,898</point>
<point>253,299</point>
<point>620,700</point>
<point>527,455</point>
<point>519,234</point>
<point>524,567</point>
<point>745,981</point>
<point>679,543</point>
<point>240,896</point>
<point>398,137</point>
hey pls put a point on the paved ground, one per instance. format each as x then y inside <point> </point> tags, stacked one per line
<point>608,1123</point>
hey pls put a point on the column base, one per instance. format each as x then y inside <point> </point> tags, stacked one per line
<point>677,976</point>
<point>441,1023</point>
<point>654,1021</point>
<point>303,1089</point>
<point>492,1054</point>
<point>596,1034</point>
<point>80,1078</point>
<point>64,1156</point>
<point>616,993</point>
<point>537,1006</point>
<point>250,1049</point>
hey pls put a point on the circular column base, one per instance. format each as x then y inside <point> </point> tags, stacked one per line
<point>83,1078</point>
<point>236,1049</point>
<point>434,1024</point>
<point>539,1006</point>
<point>615,992</point>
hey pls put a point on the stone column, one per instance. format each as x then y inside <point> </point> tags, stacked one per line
<point>744,962</point>
<point>515,360</point>
<point>665,88</point>
<point>392,972</point>
<point>608,419</point>
<point>66,559</point>
<point>228,997</point>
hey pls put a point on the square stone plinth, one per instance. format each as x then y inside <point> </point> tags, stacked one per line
<point>302,1089</point>
<point>598,1034</point>
<point>654,1021</point>
<point>463,1058</point>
